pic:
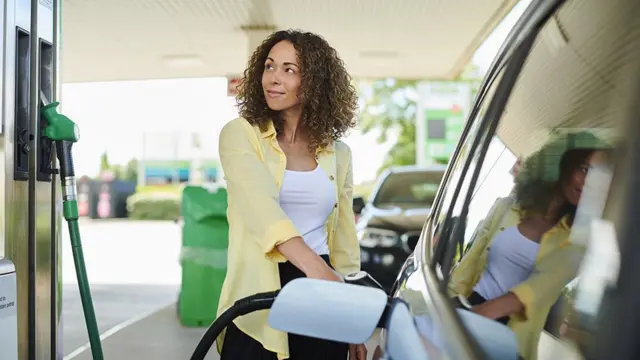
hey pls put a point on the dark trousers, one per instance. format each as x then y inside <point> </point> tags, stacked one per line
<point>240,346</point>
<point>477,299</point>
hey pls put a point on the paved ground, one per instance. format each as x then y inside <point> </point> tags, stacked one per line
<point>133,269</point>
<point>135,275</point>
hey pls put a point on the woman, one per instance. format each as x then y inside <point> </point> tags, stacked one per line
<point>290,189</point>
<point>521,259</point>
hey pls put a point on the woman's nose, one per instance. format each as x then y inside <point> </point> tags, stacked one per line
<point>275,78</point>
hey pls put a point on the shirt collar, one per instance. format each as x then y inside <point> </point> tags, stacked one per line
<point>562,224</point>
<point>271,134</point>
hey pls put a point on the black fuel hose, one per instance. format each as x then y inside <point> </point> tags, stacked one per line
<point>241,307</point>
<point>264,301</point>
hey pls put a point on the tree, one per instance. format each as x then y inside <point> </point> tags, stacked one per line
<point>104,162</point>
<point>131,170</point>
<point>128,172</point>
<point>389,106</point>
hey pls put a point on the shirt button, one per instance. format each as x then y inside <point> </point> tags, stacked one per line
<point>335,205</point>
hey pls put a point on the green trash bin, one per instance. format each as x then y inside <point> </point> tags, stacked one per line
<point>205,238</point>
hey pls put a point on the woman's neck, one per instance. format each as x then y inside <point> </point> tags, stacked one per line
<point>555,207</point>
<point>292,130</point>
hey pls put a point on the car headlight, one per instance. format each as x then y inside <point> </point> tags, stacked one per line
<point>372,237</point>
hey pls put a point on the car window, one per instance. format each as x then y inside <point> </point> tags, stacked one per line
<point>411,283</point>
<point>408,189</point>
<point>446,331</point>
<point>560,275</point>
<point>439,214</point>
<point>496,181</point>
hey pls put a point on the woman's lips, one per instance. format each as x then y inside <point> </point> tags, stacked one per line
<point>273,93</point>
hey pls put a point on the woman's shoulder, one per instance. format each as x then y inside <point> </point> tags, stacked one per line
<point>239,124</point>
<point>506,202</point>
<point>342,149</point>
<point>238,133</point>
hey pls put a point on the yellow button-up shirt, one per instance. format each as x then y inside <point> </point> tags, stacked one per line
<point>557,263</point>
<point>254,165</point>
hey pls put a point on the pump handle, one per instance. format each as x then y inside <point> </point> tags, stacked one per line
<point>63,152</point>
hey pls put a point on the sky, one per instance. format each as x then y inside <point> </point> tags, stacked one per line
<point>144,119</point>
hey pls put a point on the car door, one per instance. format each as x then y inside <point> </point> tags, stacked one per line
<point>571,76</point>
<point>424,276</point>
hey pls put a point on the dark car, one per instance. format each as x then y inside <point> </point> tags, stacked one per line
<point>389,225</point>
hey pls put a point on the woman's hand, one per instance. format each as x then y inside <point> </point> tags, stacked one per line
<point>357,352</point>
<point>505,305</point>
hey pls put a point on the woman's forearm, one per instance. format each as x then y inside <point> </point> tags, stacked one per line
<point>511,304</point>
<point>302,257</point>
<point>505,305</point>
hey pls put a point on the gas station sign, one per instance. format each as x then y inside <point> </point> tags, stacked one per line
<point>442,110</point>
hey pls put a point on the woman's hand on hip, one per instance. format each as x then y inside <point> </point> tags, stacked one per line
<point>357,352</point>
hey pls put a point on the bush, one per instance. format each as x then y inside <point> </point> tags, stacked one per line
<point>363,189</point>
<point>154,206</point>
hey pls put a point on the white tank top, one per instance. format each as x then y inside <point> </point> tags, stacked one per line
<point>511,259</point>
<point>308,198</point>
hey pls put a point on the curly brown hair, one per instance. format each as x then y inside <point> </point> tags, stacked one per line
<point>329,100</point>
<point>534,194</point>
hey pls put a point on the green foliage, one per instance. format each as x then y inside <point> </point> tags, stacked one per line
<point>388,106</point>
<point>128,172</point>
<point>154,206</point>
<point>164,188</point>
<point>104,162</point>
<point>363,190</point>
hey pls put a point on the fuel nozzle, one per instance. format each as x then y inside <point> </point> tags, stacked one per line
<point>64,132</point>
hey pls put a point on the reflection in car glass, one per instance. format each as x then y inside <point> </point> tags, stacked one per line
<point>542,251</point>
<point>520,261</point>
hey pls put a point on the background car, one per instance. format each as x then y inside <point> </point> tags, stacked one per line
<point>390,222</point>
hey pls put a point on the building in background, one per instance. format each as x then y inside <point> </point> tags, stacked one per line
<point>176,158</point>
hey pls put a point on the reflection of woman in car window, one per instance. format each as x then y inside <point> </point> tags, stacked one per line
<point>521,258</point>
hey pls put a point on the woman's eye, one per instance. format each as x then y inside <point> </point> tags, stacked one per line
<point>290,70</point>
<point>268,67</point>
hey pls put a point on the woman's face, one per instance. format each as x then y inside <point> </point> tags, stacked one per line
<point>573,187</point>
<point>281,77</point>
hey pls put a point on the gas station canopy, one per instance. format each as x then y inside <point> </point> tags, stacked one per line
<point>116,40</point>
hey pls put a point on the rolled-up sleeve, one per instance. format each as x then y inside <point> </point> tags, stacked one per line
<point>346,256</point>
<point>252,191</point>
<point>551,275</point>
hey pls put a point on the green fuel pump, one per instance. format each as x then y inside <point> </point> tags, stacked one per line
<point>64,133</point>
